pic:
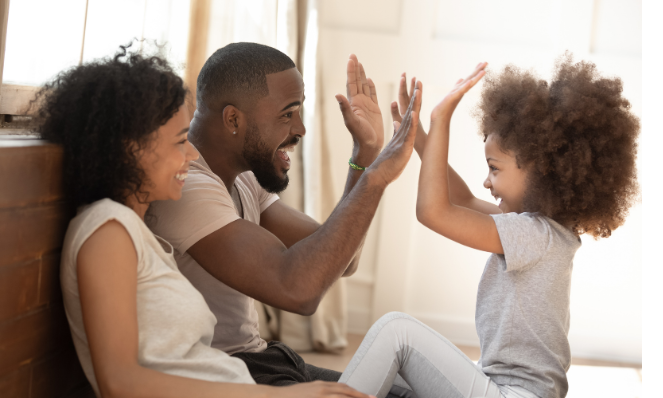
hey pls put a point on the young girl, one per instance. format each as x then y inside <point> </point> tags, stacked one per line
<point>561,160</point>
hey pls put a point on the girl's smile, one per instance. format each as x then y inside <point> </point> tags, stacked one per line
<point>506,181</point>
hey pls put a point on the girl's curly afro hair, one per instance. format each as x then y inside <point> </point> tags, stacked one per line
<point>103,113</point>
<point>575,136</point>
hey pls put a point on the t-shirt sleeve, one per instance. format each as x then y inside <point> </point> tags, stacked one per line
<point>205,207</point>
<point>265,199</point>
<point>525,239</point>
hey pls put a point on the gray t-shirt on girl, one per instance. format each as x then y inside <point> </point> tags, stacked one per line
<point>522,314</point>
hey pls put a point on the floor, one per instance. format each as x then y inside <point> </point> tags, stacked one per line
<point>587,377</point>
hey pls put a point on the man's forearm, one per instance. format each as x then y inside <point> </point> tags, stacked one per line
<point>314,263</point>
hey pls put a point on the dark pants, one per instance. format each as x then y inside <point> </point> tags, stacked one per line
<point>280,365</point>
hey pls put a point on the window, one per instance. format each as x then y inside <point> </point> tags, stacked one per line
<point>65,33</point>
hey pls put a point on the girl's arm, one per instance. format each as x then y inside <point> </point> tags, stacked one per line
<point>434,206</point>
<point>107,278</point>
<point>459,192</point>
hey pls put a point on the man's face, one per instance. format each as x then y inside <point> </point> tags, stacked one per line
<point>274,128</point>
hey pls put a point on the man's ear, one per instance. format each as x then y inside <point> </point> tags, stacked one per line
<point>234,120</point>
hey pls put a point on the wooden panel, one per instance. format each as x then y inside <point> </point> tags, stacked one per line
<point>33,337</point>
<point>16,384</point>
<point>37,356</point>
<point>33,173</point>
<point>28,233</point>
<point>58,376</point>
<point>19,289</point>
<point>49,280</point>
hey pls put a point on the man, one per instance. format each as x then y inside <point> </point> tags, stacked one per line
<point>233,239</point>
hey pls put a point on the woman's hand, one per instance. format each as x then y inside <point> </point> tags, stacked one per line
<point>446,107</point>
<point>361,114</point>
<point>320,389</point>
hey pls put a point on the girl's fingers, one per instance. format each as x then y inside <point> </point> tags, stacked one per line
<point>413,82</point>
<point>395,114</point>
<point>479,68</point>
<point>403,97</point>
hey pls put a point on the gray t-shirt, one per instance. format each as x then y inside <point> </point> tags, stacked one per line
<point>522,314</point>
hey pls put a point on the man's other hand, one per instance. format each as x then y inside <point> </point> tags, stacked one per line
<point>393,159</point>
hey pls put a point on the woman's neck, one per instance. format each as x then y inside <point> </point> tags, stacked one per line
<point>140,207</point>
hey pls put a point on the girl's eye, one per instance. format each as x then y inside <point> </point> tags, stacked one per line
<point>183,141</point>
<point>492,168</point>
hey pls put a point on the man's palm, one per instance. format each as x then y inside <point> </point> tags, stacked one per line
<point>369,128</point>
<point>360,109</point>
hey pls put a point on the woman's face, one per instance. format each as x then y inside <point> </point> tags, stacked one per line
<point>166,158</point>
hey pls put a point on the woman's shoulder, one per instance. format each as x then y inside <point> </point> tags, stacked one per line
<point>93,216</point>
<point>98,213</point>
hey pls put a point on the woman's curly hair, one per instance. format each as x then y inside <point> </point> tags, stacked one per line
<point>577,138</point>
<point>103,114</point>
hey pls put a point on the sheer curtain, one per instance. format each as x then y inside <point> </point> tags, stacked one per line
<point>292,27</point>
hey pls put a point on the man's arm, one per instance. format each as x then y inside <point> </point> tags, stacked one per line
<point>363,119</point>
<point>459,193</point>
<point>254,261</point>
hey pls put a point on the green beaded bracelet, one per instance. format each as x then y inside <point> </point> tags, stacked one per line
<point>355,167</point>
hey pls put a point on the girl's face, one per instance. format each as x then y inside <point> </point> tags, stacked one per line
<point>165,160</point>
<point>505,180</point>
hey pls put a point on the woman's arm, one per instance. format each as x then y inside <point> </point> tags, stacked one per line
<point>434,206</point>
<point>107,278</point>
<point>459,192</point>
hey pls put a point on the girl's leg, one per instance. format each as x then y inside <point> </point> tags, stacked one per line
<point>429,363</point>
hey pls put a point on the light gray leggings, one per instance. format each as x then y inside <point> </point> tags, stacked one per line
<point>399,345</point>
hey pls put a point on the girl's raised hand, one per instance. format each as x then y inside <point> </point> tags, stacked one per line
<point>446,107</point>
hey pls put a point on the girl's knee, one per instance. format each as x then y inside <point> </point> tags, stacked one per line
<point>390,317</point>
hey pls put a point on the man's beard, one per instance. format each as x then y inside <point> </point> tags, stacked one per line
<point>261,160</point>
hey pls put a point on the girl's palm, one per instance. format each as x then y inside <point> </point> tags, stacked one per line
<point>448,104</point>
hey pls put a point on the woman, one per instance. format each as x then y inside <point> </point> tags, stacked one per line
<point>139,327</point>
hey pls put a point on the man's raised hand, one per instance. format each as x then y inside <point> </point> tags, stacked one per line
<point>361,114</point>
<point>393,159</point>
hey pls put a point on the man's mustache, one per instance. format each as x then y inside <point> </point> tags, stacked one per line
<point>293,141</point>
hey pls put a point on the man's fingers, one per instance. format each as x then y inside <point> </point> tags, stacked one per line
<point>412,131</point>
<point>351,81</point>
<point>364,82</point>
<point>346,110</point>
<point>358,82</point>
<point>395,114</point>
<point>374,93</point>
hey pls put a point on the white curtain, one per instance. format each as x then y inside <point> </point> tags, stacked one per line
<point>292,27</point>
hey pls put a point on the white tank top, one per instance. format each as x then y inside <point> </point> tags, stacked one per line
<point>175,325</point>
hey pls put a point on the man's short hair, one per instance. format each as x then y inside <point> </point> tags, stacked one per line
<point>238,69</point>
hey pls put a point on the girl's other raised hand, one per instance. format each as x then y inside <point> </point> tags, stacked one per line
<point>404,99</point>
<point>446,107</point>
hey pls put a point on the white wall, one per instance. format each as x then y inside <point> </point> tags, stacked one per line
<point>408,268</point>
